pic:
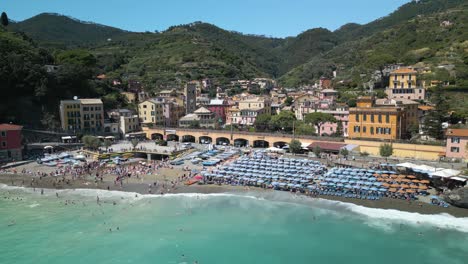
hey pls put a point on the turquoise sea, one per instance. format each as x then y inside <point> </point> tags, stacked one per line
<point>217,228</point>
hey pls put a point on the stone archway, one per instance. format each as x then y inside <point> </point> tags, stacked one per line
<point>172,137</point>
<point>240,142</point>
<point>205,140</point>
<point>157,136</point>
<point>279,144</point>
<point>189,138</point>
<point>261,144</point>
<point>223,141</point>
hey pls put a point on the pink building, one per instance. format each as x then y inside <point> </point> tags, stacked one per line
<point>11,147</point>
<point>330,128</point>
<point>457,143</point>
<point>219,107</point>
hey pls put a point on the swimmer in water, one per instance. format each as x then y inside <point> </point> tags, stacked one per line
<point>12,223</point>
<point>118,228</point>
<point>56,194</point>
<point>42,191</point>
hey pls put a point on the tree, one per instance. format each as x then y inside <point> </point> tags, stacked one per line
<point>262,122</point>
<point>283,121</point>
<point>295,146</point>
<point>289,100</point>
<point>107,144</point>
<point>91,142</point>
<point>379,60</point>
<point>134,143</point>
<point>344,152</point>
<point>161,142</point>
<point>304,129</point>
<point>317,150</point>
<point>4,19</point>
<point>386,150</point>
<point>434,119</point>
<point>318,119</point>
<point>339,129</point>
<point>194,124</point>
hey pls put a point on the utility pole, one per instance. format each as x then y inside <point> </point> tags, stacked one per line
<point>294,129</point>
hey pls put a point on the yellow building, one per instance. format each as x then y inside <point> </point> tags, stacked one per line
<point>368,120</point>
<point>256,103</point>
<point>403,85</point>
<point>151,112</point>
<point>86,115</point>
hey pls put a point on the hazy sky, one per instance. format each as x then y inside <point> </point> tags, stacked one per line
<point>279,18</point>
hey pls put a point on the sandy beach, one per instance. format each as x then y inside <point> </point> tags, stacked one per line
<point>166,175</point>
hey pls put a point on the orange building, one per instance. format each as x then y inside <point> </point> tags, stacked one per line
<point>388,120</point>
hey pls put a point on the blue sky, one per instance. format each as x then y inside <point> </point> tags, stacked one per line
<point>278,18</point>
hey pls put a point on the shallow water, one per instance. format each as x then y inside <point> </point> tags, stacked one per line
<point>218,228</point>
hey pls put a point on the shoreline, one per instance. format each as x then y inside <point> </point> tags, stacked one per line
<point>142,189</point>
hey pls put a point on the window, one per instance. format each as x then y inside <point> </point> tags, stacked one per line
<point>372,131</point>
<point>455,140</point>
<point>372,118</point>
<point>3,133</point>
<point>380,118</point>
<point>455,149</point>
<point>387,118</point>
<point>364,129</point>
<point>364,117</point>
<point>357,117</point>
<point>3,144</point>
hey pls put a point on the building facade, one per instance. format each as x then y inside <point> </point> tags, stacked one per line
<point>151,112</point>
<point>367,120</point>
<point>457,144</point>
<point>342,116</point>
<point>129,124</point>
<point>82,115</point>
<point>201,117</point>
<point>403,85</point>
<point>11,148</point>
<point>190,93</point>
<point>219,107</point>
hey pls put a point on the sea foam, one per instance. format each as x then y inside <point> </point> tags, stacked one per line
<point>337,208</point>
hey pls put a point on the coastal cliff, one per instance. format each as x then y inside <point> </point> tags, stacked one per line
<point>458,197</point>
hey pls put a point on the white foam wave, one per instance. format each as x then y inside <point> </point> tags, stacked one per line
<point>392,216</point>
<point>370,215</point>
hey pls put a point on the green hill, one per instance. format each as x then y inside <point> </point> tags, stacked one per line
<point>55,29</point>
<point>423,40</point>
<point>411,34</point>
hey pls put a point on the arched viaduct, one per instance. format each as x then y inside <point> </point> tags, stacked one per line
<point>222,137</point>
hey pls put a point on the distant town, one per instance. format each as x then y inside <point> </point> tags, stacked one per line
<point>259,105</point>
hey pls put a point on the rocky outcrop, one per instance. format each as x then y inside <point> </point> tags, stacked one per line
<point>458,197</point>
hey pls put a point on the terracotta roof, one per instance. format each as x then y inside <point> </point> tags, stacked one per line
<point>460,132</point>
<point>10,127</point>
<point>403,70</point>
<point>326,146</point>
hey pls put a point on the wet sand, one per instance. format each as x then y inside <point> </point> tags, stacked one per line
<point>141,186</point>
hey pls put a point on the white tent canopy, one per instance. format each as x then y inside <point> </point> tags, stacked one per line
<point>458,179</point>
<point>275,150</point>
<point>423,168</point>
<point>406,165</point>
<point>446,173</point>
